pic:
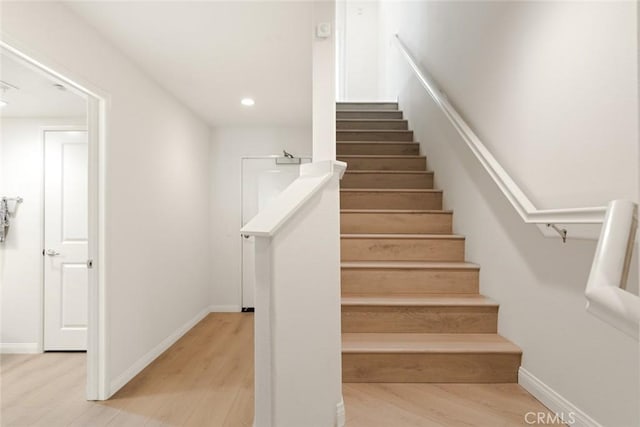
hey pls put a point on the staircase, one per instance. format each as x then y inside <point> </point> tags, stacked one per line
<point>411,310</point>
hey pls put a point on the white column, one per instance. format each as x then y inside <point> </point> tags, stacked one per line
<point>324,81</point>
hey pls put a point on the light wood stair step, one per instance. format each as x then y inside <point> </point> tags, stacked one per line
<point>419,313</point>
<point>386,179</point>
<point>388,278</point>
<point>384,162</point>
<point>366,106</point>
<point>411,311</point>
<point>345,148</point>
<point>419,300</point>
<point>402,247</point>
<point>396,124</point>
<point>395,221</point>
<point>374,135</point>
<point>368,114</point>
<point>419,357</point>
<point>385,198</point>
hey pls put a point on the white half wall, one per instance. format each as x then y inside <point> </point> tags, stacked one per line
<point>21,174</point>
<point>551,89</point>
<point>157,183</point>
<point>228,146</point>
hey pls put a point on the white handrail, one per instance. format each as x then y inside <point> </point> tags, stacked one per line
<point>313,176</point>
<point>606,297</point>
<point>518,199</point>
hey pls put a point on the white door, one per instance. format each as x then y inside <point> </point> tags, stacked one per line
<point>65,240</point>
<point>262,180</point>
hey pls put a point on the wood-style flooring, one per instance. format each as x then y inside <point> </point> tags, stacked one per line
<point>206,379</point>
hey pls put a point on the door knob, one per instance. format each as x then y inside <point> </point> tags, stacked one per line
<point>51,252</point>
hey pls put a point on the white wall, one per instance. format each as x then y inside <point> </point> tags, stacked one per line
<point>551,89</point>
<point>546,85</point>
<point>358,60</point>
<point>229,145</point>
<point>323,93</point>
<point>21,174</point>
<point>157,184</point>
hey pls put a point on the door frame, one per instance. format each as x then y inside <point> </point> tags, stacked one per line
<point>97,332</point>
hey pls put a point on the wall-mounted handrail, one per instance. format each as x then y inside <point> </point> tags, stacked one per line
<point>606,296</point>
<point>518,199</point>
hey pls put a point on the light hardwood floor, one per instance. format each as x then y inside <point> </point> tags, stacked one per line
<point>206,379</point>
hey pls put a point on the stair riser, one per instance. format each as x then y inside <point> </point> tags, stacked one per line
<point>430,368</point>
<point>420,319</point>
<point>378,281</point>
<point>382,115</point>
<point>376,249</point>
<point>387,180</point>
<point>342,106</point>
<point>374,124</point>
<point>378,148</point>
<point>374,135</point>
<point>389,163</point>
<point>390,200</point>
<point>396,223</point>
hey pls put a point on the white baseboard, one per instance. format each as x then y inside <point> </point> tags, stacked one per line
<point>19,348</point>
<point>554,401</point>
<point>341,417</point>
<point>118,382</point>
<point>225,308</point>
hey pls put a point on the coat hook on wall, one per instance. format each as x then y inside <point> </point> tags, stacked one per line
<point>6,213</point>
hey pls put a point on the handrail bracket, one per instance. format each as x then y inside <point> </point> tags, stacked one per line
<point>561,231</point>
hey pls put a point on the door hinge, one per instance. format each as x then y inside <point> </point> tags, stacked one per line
<point>89,263</point>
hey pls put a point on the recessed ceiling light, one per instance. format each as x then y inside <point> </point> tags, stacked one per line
<point>247,102</point>
<point>3,103</point>
<point>60,86</point>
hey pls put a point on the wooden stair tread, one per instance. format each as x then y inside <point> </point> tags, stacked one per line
<point>381,156</point>
<point>409,265</point>
<point>430,300</point>
<point>376,130</point>
<point>402,236</point>
<point>427,343</point>
<point>372,120</point>
<point>398,211</point>
<point>368,111</point>
<point>376,142</point>
<point>389,172</point>
<point>392,190</point>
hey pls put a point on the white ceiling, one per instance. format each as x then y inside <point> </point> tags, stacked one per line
<point>36,96</point>
<point>212,54</point>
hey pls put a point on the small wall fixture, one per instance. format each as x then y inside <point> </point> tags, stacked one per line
<point>248,102</point>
